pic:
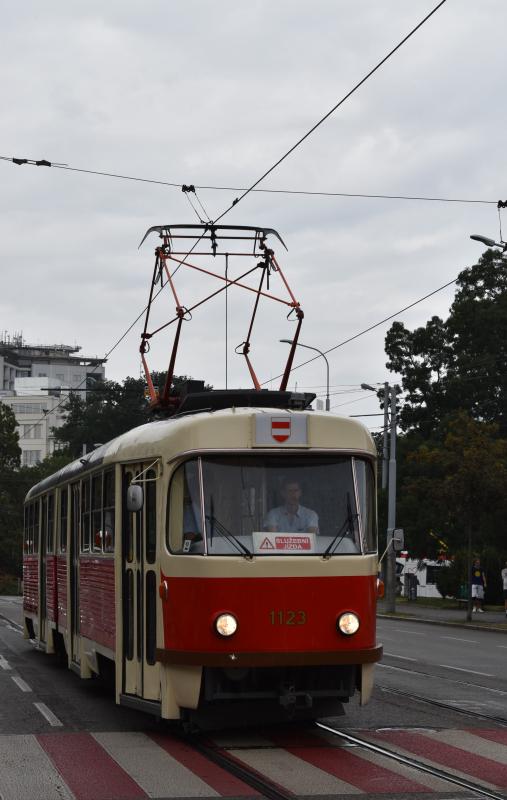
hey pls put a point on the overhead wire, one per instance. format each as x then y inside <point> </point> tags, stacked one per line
<point>367,330</point>
<point>302,192</point>
<point>194,208</point>
<point>331,111</point>
<point>320,122</point>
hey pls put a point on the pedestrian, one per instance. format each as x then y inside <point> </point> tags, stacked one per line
<point>478,583</point>
<point>504,579</point>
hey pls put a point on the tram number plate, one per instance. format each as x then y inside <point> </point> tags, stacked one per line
<point>287,617</point>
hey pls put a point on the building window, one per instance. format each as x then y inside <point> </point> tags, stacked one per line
<point>60,376</point>
<point>31,457</point>
<point>27,408</point>
<point>31,431</point>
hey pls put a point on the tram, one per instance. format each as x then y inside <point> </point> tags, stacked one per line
<point>220,560</point>
<point>157,553</point>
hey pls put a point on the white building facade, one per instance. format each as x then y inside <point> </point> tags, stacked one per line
<point>35,381</point>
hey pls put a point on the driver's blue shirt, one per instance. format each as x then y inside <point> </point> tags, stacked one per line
<point>284,521</point>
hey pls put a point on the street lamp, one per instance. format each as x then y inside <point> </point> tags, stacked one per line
<point>488,242</point>
<point>307,346</point>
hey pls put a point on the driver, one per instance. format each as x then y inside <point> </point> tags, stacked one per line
<point>291,517</point>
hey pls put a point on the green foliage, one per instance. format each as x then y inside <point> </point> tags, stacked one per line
<point>460,363</point>
<point>455,481</point>
<point>109,410</point>
<point>452,456</point>
<point>10,454</point>
<point>10,451</point>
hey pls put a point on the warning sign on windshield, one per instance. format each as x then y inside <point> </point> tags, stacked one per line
<point>283,542</point>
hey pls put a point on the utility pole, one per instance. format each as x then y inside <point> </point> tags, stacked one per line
<point>390,594</point>
<point>385,449</point>
<point>389,482</point>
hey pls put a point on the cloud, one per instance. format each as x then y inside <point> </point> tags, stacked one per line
<point>214,94</point>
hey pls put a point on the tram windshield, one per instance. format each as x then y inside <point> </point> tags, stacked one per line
<point>276,505</point>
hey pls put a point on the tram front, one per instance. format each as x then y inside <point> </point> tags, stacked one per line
<point>268,573</point>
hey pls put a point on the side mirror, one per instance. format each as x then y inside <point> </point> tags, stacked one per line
<point>135,497</point>
<point>398,539</point>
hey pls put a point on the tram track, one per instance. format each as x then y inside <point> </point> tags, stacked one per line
<point>436,772</point>
<point>447,706</point>
<point>262,785</point>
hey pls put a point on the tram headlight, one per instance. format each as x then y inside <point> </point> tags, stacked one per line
<point>348,623</point>
<point>226,625</point>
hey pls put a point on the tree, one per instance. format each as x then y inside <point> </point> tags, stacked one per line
<point>10,451</point>
<point>459,363</point>
<point>109,410</point>
<point>456,484</point>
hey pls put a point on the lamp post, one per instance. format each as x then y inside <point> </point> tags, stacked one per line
<point>307,346</point>
<point>389,480</point>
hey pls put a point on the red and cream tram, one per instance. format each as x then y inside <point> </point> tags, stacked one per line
<point>222,558</point>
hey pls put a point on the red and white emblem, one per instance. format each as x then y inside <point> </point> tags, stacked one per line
<point>280,428</point>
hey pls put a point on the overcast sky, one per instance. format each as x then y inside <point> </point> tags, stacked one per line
<point>214,93</point>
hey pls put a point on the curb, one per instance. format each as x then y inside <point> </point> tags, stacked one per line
<point>443,623</point>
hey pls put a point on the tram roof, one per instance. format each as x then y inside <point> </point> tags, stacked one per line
<point>144,441</point>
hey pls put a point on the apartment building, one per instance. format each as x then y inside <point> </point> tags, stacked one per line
<point>34,379</point>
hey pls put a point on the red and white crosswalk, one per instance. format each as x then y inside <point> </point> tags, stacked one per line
<point>135,765</point>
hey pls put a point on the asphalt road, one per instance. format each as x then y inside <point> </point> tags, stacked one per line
<point>40,698</point>
<point>461,668</point>
<point>464,668</point>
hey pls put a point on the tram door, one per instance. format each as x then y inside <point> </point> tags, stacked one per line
<point>75,518</point>
<point>139,532</point>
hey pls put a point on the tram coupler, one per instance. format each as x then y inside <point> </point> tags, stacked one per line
<point>291,700</point>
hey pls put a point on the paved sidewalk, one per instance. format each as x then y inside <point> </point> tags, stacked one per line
<point>490,620</point>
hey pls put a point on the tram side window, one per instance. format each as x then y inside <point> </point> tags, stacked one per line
<point>366,491</point>
<point>108,526</point>
<point>64,500</point>
<point>75,518</point>
<point>26,531</point>
<point>97,513</point>
<point>151,516</point>
<point>36,526</point>
<point>28,543</point>
<point>51,523</point>
<point>44,525</point>
<point>184,519</point>
<point>85,516</point>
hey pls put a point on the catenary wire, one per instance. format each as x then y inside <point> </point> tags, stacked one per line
<point>331,111</point>
<point>367,330</point>
<point>302,192</point>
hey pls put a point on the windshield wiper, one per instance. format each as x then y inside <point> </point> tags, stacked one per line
<point>217,526</point>
<point>348,524</point>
